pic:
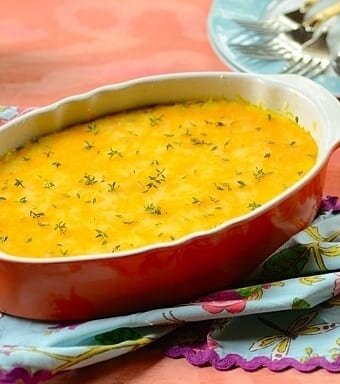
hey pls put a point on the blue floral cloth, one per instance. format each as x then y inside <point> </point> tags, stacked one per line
<point>286,315</point>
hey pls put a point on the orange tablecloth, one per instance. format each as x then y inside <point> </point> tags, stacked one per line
<point>55,48</point>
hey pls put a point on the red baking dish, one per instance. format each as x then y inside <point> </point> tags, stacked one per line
<point>162,274</point>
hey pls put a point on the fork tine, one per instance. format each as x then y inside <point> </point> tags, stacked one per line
<point>263,26</point>
<point>317,67</point>
<point>271,50</point>
<point>297,61</point>
<point>308,66</point>
<point>268,54</point>
<point>321,69</point>
<point>247,37</point>
<point>272,46</point>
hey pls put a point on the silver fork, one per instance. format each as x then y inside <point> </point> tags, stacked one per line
<point>306,65</point>
<point>281,23</point>
<point>297,60</point>
<point>301,34</point>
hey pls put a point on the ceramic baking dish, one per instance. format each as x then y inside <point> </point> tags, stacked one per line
<point>92,286</point>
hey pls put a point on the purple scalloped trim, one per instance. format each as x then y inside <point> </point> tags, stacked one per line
<point>330,203</point>
<point>206,357</point>
<point>25,376</point>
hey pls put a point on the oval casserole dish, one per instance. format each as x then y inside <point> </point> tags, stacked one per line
<point>94,286</point>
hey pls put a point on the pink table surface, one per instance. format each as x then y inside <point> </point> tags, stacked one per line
<point>55,48</point>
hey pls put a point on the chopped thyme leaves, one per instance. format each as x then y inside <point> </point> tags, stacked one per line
<point>196,141</point>
<point>26,158</point>
<point>2,198</point>
<point>102,235</point>
<point>155,180</point>
<point>88,145</point>
<point>91,127</point>
<point>258,173</point>
<point>254,205</point>
<point>61,227</point>
<point>113,186</point>
<point>267,155</point>
<point>155,120</point>
<point>49,185</point>
<point>36,215</point>
<point>3,238</point>
<point>241,183</point>
<point>56,164</point>
<point>292,143</point>
<point>153,209</point>
<point>196,201</point>
<point>114,152</point>
<point>19,183</point>
<point>48,153</point>
<point>219,124</point>
<point>93,201</point>
<point>23,200</point>
<point>269,116</point>
<point>222,186</point>
<point>89,180</point>
<point>169,146</point>
<point>64,252</point>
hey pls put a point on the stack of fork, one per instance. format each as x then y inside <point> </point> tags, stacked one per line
<point>296,37</point>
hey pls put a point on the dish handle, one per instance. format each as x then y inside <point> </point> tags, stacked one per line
<point>321,96</point>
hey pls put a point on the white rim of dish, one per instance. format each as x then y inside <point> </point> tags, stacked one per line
<point>285,80</point>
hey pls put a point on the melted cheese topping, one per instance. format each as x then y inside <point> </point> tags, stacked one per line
<point>146,176</point>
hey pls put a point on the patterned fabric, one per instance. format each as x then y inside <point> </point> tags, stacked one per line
<point>292,303</point>
<point>294,320</point>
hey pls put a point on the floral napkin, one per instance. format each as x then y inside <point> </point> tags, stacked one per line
<point>286,315</point>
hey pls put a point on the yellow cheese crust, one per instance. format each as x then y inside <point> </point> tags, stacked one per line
<point>146,176</point>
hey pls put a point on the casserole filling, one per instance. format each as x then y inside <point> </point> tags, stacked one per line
<point>146,176</point>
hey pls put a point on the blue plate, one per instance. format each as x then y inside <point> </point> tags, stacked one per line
<point>221,29</point>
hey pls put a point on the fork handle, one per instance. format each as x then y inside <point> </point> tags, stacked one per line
<point>309,3</point>
<point>323,15</point>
